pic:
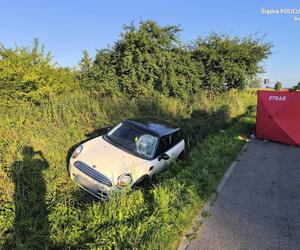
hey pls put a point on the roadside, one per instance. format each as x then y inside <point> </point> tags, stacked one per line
<point>258,208</point>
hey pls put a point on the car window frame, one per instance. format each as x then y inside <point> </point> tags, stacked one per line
<point>180,137</point>
<point>157,154</point>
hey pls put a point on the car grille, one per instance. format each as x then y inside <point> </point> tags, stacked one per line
<point>100,194</point>
<point>94,174</point>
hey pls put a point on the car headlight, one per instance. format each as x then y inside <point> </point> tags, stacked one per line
<point>124,180</point>
<point>77,151</point>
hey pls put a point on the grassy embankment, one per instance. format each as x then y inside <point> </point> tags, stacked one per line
<point>48,210</point>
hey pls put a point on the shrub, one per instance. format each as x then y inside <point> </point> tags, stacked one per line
<point>27,74</point>
<point>297,87</point>
<point>149,57</point>
<point>278,86</point>
<point>230,62</point>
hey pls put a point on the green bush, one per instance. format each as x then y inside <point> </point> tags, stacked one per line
<point>278,86</point>
<point>230,62</point>
<point>150,58</point>
<point>146,58</point>
<point>297,87</point>
<point>27,74</point>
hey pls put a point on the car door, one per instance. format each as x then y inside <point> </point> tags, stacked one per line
<point>172,145</point>
<point>158,163</point>
<point>175,147</point>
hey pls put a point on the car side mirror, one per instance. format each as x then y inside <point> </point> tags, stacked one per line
<point>164,156</point>
<point>108,129</point>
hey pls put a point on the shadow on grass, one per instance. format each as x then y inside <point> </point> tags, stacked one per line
<point>31,226</point>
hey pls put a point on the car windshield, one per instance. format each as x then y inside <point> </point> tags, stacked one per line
<point>134,140</point>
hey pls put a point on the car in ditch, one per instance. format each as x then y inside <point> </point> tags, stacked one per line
<point>125,156</point>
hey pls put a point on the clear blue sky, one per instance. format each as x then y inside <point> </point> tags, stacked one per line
<point>68,27</point>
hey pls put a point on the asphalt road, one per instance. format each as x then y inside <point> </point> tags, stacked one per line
<point>259,206</point>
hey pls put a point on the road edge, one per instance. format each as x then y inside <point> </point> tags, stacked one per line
<point>205,210</point>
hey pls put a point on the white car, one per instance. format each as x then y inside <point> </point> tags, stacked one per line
<point>126,155</point>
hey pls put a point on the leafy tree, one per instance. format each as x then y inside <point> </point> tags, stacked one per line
<point>27,74</point>
<point>139,55</point>
<point>230,62</point>
<point>86,65</point>
<point>147,58</point>
<point>99,76</point>
<point>296,87</point>
<point>278,86</point>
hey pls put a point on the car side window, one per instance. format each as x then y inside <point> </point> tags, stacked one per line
<point>176,138</point>
<point>163,145</point>
<point>167,142</point>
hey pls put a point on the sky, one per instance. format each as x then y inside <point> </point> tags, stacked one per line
<point>69,27</point>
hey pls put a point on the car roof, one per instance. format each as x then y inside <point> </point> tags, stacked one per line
<point>156,128</point>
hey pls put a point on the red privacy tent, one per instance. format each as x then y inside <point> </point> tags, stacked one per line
<point>278,116</point>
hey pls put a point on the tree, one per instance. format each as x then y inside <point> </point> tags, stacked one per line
<point>230,62</point>
<point>149,57</point>
<point>142,57</point>
<point>86,65</point>
<point>296,87</point>
<point>28,74</point>
<point>99,75</point>
<point>278,86</point>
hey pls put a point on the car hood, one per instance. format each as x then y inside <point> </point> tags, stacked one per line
<point>111,160</point>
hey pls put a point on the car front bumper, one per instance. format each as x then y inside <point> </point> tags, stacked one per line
<point>87,183</point>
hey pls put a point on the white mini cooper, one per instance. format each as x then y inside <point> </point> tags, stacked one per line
<point>126,155</point>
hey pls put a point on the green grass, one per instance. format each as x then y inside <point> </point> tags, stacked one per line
<point>41,208</point>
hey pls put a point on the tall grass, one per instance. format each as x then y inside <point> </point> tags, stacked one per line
<point>61,215</point>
